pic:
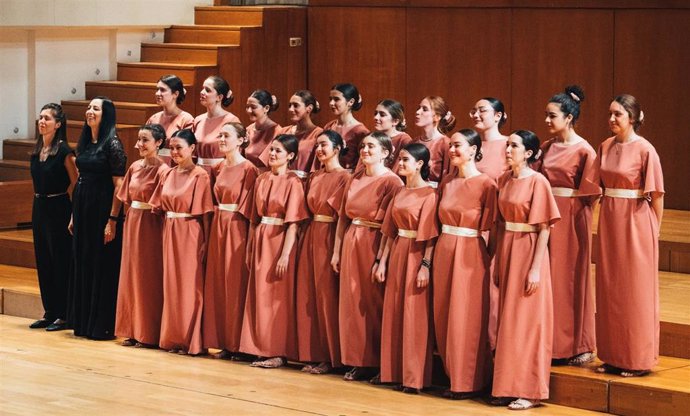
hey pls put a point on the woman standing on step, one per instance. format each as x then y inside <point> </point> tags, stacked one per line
<point>184,194</point>
<point>356,251</point>
<point>627,286</point>
<point>268,330</point>
<point>389,118</point>
<point>215,94</point>
<point>54,174</point>
<point>140,293</point>
<point>97,224</point>
<point>170,93</point>
<point>434,116</point>
<point>345,99</point>
<point>263,130</point>
<point>569,163</point>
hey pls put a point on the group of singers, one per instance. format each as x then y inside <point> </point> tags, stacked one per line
<point>345,247</point>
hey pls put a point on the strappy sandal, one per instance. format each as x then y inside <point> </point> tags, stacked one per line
<point>323,368</point>
<point>274,362</point>
<point>355,374</point>
<point>581,359</point>
<point>523,404</point>
<point>129,342</point>
<point>307,368</point>
<point>460,395</point>
<point>376,380</point>
<point>634,373</point>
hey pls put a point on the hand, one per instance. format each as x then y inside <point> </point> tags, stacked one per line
<point>335,262</point>
<point>70,227</point>
<point>109,232</point>
<point>423,277</point>
<point>282,265</point>
<point>532,282</point>
<point>378,272</point>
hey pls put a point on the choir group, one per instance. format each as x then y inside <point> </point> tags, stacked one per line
<point>345,247</point>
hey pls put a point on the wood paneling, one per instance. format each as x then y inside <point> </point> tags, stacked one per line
<point>17,197</point>
<point>588,4</point>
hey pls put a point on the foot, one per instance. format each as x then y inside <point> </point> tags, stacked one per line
<point>322,368</point>
<point>58,325</point>
<point>607,368</point>
<point>634,373</point>
<point>307,368</point>
<point>410,390</point>
<point>223,355</point>
<point>355,374</point>
<point>523,404</point>
<point>581,359</point>
<point>174,350</point>
<point>144,345</point>
<point>129,342</point>
<point>376,380</point>
<point>500,401</point>
<point>460,395</point>
<point>273,362</point>
<point>41,323</point>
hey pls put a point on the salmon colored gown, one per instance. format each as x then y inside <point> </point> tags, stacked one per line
<point>206,131</point>
<point>406,338</point>
<point>461,282</point>
<point>306,152</point>
<point>352,136</point>
<point>522,363</point>
<point>570,246</point>
<point>184,120</point>
<point>140,291</point>
<point>259,140</point>
<point>439,163</point>
<point>184,244</point>
<point>268,328</point>
<point>361,300</point>
<point>225,286</point>
<point>317,283</point>
<point>627,285</point>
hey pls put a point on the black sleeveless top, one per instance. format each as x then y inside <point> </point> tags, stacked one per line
<point>50,176</point>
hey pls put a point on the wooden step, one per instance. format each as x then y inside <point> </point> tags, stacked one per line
<point>216,34</point>
<point>17,248</point>
<point>127,133</point>
<point>14,170</point>
<point>126,112</point>
<point>17,149</point>
<point>152,71</point>
<point>137,92</point>
<point>228,15</point>
<point>189,53</point>
<point>20,293</point>
<point>17,198</point>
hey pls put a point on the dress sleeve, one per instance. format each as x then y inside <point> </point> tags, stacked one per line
<point>123,192</point>
<point>489,206</point>
<point>653,175</point>
<point>335,200</point>
<point>589,181</point>
<point>389,229</point>
<point>117,159</point>
<point>296,204</point>
<point>390,189</point>
<point>428,223</point>
<point>246,201</point>
<point>343,201</point>
<point>202,202</point>
<point>543,208</point>
<point>155,200</point>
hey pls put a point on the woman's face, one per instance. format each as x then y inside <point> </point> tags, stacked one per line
<point>47,125</point>
<point>339,105</point>
<point>516,154</point>
<point>619,119</point>
<point>146,144</point>
<point>94,112</point>
<point>371,152</point>
<point>228,141</point>
<point>484,116</point>
<point>383,121</point>
<point>164,95</point>
<point>255,110</point>
<point>460,151</point>
<point>278,156</point>
<point>297,110</point>
<point>324,149</point>
<point>425,115</point>
<point>408,166</point>
<point>209,97</point>
<point>555,119</point>
<point>180,151</point>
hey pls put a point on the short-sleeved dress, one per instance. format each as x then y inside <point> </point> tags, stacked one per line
<point>52,210</point>
<point>366,198</point>
<point>96,270</point>
<point>140,293</point>
<point>627,275</point>
<point>317,283</point>
<point>184,120</point>
<point>406,337</point>
<point>268,328</point>
<point>225,286</point>
<point>439,164</point>
<point>522,363</point>
<point>206,131</point>
<point>259,140</point>
<point>572,167</point>
<point>184,196</point>
<point>306,153</point>
<point>462,278</point>
<point>352,136</point>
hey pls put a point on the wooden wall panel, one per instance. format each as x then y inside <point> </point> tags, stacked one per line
<point>365,46</point>
<point>459,54</point>
<point>555,48</point>
<point>651,62</point>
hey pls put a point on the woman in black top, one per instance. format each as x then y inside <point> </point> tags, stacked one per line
<point>53,173</point>
<point>97,224</point>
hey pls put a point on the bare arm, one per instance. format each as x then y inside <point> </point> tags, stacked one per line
<point>424,272</point>
<point>378,271</point>
<point>533,277</point>
<point>284,260</point>
<point>111,225</point>
<point>658,206</point>
<point>343,222</point>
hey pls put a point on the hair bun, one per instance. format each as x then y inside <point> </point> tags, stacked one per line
<point>575,92</point>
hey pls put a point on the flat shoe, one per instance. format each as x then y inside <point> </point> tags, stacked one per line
<point>523,404</point>
<point>41,323</point>
<point>500,401</point>
<point>634,373</point>
<point>56,327</point>
<point>460,395</point>
<point>129,342</point>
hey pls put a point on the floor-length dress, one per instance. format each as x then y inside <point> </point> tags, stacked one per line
<point>352,137</point>
<point>50,216</point>
<point>439,163</point>
<point>96,268</point>
<point>406,336</point>
<point>522,363</point>
<point>461,280</point>
<point>317,283</point>
<point>259,141</point>
<point>184,196</point>
<point>140,293</point>
<point>627,275</point>
<point>571,171</point>
<point>225,286</point>
<point>365,201</point>
<point>184,120</point>
<point>268,328</point>
<point>207,132</point>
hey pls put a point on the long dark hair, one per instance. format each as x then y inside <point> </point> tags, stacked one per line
<point>106,129</point>
<point>60,134</point>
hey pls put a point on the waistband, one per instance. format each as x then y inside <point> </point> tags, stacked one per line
<point>49,195</point>
<point>170,214</point>
<point>140,205</point>
<point>521,227</point>
<point>229,207</point>
<point>272,221</point>
<point>208,161</point>
<point>564,192</point>
<point>323,218</point>
<point>407,233</point>
<point>624,193</point>
<point>365,223</point>
<point>459,231</point>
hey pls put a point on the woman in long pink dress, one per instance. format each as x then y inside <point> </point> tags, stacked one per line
<point>627,287</point>
<point>317,283</point>
<point>467,208</point>
<point>268,328</point>
<point>140,292</point>
<point>389,118</point>
<point>358,238</point>
<point>522,362</point>
<point>263,130</point>
<point>215,94</point>
<point>184,194</point>
<point>569,163</point>
<point>435,118</point>
<point>225,285</point>
<point>302,105</point>
<point>170,93</point>
<point>411,229</point>
<point>344,99</point>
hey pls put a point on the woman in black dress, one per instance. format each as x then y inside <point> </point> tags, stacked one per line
<point>53,173</point>
<point>97,224</point>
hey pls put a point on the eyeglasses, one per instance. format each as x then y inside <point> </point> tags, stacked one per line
<point>480,110</point>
